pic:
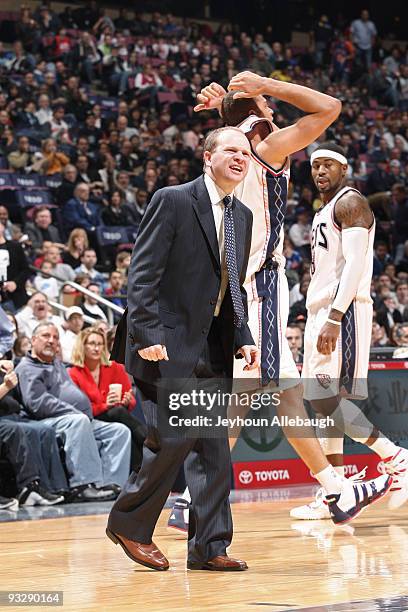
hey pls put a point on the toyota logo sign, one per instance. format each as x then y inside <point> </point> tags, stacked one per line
<point>245,477</point>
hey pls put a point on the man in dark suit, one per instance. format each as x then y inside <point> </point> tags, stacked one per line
<point>80,212</point>
<point>186,320</point>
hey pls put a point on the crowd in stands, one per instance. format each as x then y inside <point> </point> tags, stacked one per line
<point>96,114</point>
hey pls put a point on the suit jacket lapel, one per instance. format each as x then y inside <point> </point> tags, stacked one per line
<point>203,210</point>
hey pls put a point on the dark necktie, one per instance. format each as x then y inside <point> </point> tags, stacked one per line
<point>231,261</point>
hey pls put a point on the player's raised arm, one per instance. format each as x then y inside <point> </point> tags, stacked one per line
<point>322,111</point>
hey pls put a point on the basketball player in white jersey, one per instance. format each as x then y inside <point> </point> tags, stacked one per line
<point>338,327</point>
<point>265,193</point>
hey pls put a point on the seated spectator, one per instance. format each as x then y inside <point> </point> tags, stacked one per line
<point>62,270</point>
<point>123,184</point>
<point>59,127</point>
<point>126,159</point>
<point>115,213</point>
<point>378,335</point>
<point>88,262</point>
<point>400,216</point>
<point>21,157</point>
<point>96,454</point>
<point>77,244</point>
<point>69,181</point>
<point>90,306</point>
<point>135,210</point>
<point>45,283</point>
<point>53,161</point>
<point>74,318</point>
<point>260,64</point>
<point>37,311</point>
<point>298,311</point>
<point>90,131</point>
<point>389,314</point>
<point>87,174</point>
<point>294,336</point>
<point>300,232</point>
<point>31,448</point>
<point>102,326</point>
<point>401,290</point>
<point>122,263</point>
<point>381,257</point>
<point>117,288</point>
<point>44,112</point>
<point>94,374</point>
<point>80,212</point>
<point>148,83</point>
<point>5,220</point>
<point>41,228</point>
<point>401,340</point>
<point>14,273</point>
<point>293,258</point>
<point>86,56</point>
<point>379,179</point>
<point>21,346</point>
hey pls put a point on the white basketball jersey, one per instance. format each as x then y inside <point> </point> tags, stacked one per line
<point>264,192</point>
<point>328,259</point>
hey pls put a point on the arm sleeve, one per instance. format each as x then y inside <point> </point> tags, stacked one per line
<point>354,246</point>
<point>149,259</point>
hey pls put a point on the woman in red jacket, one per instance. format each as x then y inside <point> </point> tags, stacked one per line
<point>93,373</point>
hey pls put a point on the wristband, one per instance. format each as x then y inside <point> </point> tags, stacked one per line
<point>334,322</point>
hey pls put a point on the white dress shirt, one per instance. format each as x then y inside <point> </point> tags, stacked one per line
<point>216,197</point>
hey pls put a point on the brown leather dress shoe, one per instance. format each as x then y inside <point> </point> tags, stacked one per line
<point>222,563</point>
<point>145,554</point>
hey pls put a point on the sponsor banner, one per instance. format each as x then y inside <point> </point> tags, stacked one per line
<point>388,365</point>
<point>284,472</point>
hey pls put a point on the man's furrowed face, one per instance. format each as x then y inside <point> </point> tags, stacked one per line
<point>229,160</point>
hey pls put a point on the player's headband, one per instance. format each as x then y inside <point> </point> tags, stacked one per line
<point>330,154</point>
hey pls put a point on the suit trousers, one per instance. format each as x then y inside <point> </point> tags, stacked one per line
<point>207,470</point>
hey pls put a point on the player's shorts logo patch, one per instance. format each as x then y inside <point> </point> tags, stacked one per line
<point>324,380</point>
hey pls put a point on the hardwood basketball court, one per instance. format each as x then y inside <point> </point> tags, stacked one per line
<point>293,564</point>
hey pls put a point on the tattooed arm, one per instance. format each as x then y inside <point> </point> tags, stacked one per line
<point>354,216</point>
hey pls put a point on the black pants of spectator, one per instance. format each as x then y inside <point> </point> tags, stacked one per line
<point>120,414</point>
<point>15,447</point>
<point>44,455</point>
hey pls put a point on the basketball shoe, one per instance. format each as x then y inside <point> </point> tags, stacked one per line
<point>179,515</point>
<point>318,509</point>
<point>355,497</point>
<point>346,505</point>
<point>397,467</point>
